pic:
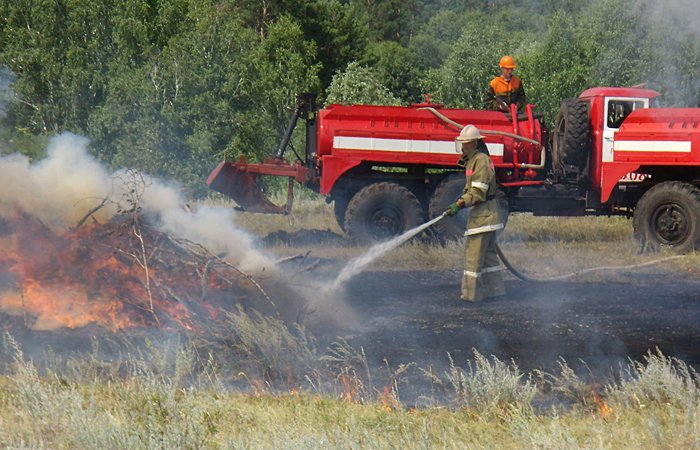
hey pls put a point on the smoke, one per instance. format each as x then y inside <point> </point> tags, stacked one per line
<point>681,16</point>
<point>675,28</point>
<point>212,227</point>
<point>70,183</point>
<point>60,189</point>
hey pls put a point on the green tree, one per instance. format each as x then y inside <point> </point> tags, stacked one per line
<point>395,68</point>
<point>392,20</point>
<point>53,51</point>
<point>218,90</point>
<point>359,85</point>
<point>463,79</point>
<point>338,28</point>
<point>432,44</point>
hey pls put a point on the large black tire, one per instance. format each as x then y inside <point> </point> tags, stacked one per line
<point>381,211</point>
<point>668,216</point>
<point>447,192</point>
<point>570,142</point>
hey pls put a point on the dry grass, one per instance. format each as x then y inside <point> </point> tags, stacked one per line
<point>157,400</point>
<point>551,245</point>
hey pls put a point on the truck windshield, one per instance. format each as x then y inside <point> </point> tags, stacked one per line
<point>618,110</point>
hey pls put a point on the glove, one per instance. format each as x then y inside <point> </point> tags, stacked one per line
<point>453,209</point>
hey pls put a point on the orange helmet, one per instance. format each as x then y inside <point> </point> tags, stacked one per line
<point>507,62</point>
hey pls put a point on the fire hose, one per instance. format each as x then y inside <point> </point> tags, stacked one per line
<point>529,279</point>
<point>459,126</point>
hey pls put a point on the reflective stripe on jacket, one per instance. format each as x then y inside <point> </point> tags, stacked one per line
<point>480,193</point>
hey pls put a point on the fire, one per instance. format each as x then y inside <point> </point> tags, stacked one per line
<point>387,400</point>
<point>113,275</point>
<point>52,307</point>
<point>604,409</point>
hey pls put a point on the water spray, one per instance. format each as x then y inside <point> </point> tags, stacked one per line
<point>356,265</point>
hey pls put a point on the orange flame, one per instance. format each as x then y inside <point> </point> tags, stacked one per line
<point>604,410</point>
<point>90,276</point>
<point>388,401</point>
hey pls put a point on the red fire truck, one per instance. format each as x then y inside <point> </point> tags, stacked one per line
<point>389,168</point>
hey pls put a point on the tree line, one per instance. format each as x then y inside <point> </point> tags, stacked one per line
<point>174,86</point>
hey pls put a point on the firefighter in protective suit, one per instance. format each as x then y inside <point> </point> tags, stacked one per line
<point>482,276</point>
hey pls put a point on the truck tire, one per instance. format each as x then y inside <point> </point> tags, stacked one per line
<point>570,140</point>
<point>447,192</point>
<point>381,211</point>
<point>668,216</point>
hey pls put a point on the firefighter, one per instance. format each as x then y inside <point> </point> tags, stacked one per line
<point>506,89</point>
<point>482,276</point>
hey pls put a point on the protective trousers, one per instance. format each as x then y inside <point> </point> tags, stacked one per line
<point>482,270</point>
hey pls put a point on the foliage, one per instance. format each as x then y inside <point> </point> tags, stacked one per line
<point>359,85</point>
<point>171,87</point>
<point>463,79</point>
<point>201,99</point>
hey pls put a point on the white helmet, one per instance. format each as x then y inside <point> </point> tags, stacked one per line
<point>469,133</point>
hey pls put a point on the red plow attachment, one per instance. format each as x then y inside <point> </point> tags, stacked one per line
<point>239,181</point>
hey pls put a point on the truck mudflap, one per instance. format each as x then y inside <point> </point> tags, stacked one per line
<point>239,181</point>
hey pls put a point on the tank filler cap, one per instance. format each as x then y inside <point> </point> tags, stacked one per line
<point>427,103</point>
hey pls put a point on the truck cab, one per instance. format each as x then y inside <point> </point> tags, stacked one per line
<point>609,107</point>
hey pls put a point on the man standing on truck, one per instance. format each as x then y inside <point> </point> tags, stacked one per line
<point>506,89</point>
<point>482,276</point>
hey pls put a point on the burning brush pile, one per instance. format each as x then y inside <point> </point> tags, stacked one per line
<point>82,247</point>
<point>117,275</point>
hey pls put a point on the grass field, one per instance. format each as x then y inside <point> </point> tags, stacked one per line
<point>140,404</point>
<point>567,244</point>
<point>273,387</point>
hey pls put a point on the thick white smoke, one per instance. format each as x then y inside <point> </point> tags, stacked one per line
<point>209,226</point>
<point>60,189</point>
<point>69,183</point>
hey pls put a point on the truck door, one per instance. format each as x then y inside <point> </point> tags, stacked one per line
<point>616,111</point>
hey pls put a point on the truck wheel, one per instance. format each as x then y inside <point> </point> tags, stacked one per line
<point>447,192</point>
<point>668,215</point>
<point>381,211</point>
<point>571,135</point>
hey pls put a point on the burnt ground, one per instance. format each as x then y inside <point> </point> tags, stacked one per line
<point>418,317</point>
<point>400,317</point>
